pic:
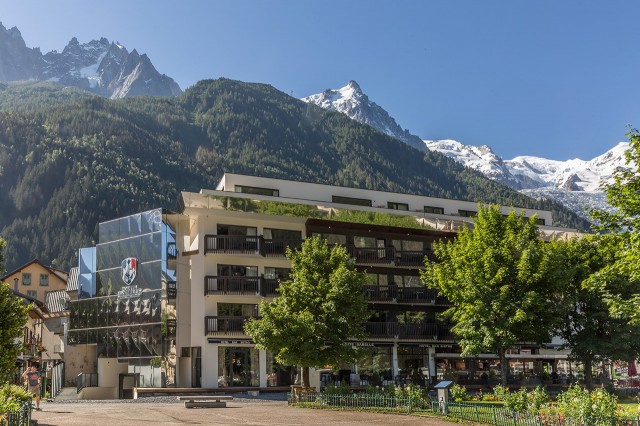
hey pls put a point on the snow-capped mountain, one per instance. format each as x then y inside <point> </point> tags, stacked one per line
<point>99,66</point>
<point>575,183</point>
<point>351,101</point>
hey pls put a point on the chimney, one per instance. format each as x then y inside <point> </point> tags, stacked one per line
<point>15,284</point>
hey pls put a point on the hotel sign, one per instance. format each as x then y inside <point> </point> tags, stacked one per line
<point>129,272</point>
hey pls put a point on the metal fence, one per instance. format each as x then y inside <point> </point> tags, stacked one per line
<point>57,379</point>
<point>372,401</point>
<point>21,417</point>
<point>86,380</point>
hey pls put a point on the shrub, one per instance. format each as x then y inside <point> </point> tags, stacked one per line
<point>499,392</point>
<point>12,397</point>
<point>459,393</point>
<point>597,407</point>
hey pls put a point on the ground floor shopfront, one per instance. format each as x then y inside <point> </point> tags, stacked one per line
<point>222,364</point>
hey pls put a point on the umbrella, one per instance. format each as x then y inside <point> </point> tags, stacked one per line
<point>632,369</point>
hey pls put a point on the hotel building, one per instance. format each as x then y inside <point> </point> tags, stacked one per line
<point>164,295</point>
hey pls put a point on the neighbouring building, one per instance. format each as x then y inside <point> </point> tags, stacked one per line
<point>163,296</point>
<point>36,280</point>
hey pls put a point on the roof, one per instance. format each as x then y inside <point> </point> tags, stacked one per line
<point>58,272</point>
<point>38,305</point>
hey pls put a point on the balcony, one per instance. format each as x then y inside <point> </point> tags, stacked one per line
<point>396,330</point>
<point>268,287</point>
<point>391,293</point>
<point>224,326</point>
<point>232,286</point>
<point>249,244</point>
<point>172,289</point>
<point>385,255</point>
<point>414,258</point>
<point>232,244</point>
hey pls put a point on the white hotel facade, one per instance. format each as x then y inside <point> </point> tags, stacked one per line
<point>222,252</point>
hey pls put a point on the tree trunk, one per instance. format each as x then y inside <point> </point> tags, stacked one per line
<point>504,367</point>
<point>305,377</point>
<point>588,374</point>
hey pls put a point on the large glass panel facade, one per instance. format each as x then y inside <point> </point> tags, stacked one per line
<point>278,374</point>
<point>123,307</point>
<point>375,368</point>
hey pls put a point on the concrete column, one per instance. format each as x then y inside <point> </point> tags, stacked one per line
<point>433,372</point>
<point>262,356</point>
<point>394,361</point>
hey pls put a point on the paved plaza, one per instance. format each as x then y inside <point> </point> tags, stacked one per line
<point>238,412</point>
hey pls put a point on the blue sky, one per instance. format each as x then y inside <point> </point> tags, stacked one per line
<point>557,79</point>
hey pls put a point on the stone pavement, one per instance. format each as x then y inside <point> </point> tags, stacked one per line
<point>238,412</point>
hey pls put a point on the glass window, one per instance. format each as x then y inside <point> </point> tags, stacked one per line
<point>332,238</point>
<point>32,293</point>
<point>237,271</point>
<point>26,278</point>
<point>376,366</point>
<point>272,273</point>
<point>434,210</point>
<point>278,374</point>
<point>238,366</point>
<point>397,206</point>
<point>282,234</point>
<point>44,279</point>
<point>467,213</point>
<point>257,191</point>
<point>237,230</point>
<point>365,242</point>
<point>237,310</point>
<point>539,221</point>
<point>351,201</point>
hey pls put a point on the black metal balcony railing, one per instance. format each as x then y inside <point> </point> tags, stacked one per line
<point>224,325</point>
<point>268,287</point>
<point>396,330</point>
<point>372,255</point>
<point>389,293</point>
<point>232,244</point>
<point>414,258</point>
<point>172,289</point>
<point>232,285</point>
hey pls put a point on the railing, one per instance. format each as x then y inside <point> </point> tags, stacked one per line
<point>86,380</point>
<point>275,248</point>
<point>231,285</point>
<point>232,244</point>
<point>372,255</point>
<point>268,287</point>
<point>398,330</point>
<point>387,293</point>
<point>57,379</point>
<point>172,289</point>
<point>224,325</point>
<point>249,244</point>
<point>20,417</point>
<point>414,258</point>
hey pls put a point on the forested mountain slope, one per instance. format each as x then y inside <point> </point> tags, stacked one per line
<point>70,159</point>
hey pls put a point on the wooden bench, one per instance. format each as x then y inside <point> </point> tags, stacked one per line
<point>208,401</point>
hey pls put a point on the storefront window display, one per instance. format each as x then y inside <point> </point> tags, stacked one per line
<point>277,374</point>
<point>238,366</point>
<point>375,368</point>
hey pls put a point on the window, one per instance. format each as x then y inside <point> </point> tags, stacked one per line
<point>237,310</point>
<point>539,221</point>
<point>282,234</point>
<point>332,238</point>
<point>257,191</point>
<point>44,279</point>
<point>352,201</point>
<point>468,213</point>
<point>397,206</point>
<point>26,278</point>
<point>434,210</point>
<point>237,230</point>
<point>32,293</point>
<point>272,273</point>
<point>237,271</point>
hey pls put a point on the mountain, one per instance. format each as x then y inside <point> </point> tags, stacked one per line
<point>575,183</point>
<point>99,66</point>
<point>352,101</point>
<point>70,159</point>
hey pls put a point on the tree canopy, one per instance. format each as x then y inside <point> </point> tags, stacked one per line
<point>13,317</point>
<point>624,195</point>
<point>500,282</point>
<point>319,310</point>
<point>588,329</point>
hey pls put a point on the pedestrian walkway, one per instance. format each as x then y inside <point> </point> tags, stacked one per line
<point>67,394</point>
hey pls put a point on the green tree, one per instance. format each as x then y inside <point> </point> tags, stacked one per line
<point>318,311</point>
<point>499,280</point>
<point>624,195</point>
<point>589,330</point>
<point>13,317</point>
